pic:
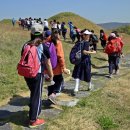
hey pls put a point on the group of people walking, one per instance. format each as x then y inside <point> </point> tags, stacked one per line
<point>43,39</point>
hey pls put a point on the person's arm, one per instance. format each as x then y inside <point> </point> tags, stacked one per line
<point>48,62</point>
<point>49,68</point>
<point>88,52</point>
<point>60,54</point>
<point>61,59</point>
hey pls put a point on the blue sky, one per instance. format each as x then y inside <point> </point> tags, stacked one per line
<point>97,11</point>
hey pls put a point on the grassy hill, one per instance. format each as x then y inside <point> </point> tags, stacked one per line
<point>77,20</point>
<point>124,29</point>
<point>6,21</point>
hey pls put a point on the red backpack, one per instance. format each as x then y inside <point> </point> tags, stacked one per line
<point>105,37</point>
<point>113,46</point>
<point>29,63</point>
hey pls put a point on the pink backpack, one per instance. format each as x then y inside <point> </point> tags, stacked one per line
<point>29,63</point>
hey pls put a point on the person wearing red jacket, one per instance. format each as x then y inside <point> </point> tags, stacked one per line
<point>114,50</point>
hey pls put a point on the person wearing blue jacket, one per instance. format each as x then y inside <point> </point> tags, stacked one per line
<point>71,26</point>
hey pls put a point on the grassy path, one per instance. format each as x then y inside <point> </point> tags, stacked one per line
<point>13,115</point>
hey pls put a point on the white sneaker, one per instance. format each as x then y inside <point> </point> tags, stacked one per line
<point>76,90</point>
<point>110,75</point>
<point>117,72</point>
<point>91,87</point>
<point>58,94</point>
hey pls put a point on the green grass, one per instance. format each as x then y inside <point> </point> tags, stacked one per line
<point>11,41</point>
<point>106,122</point>
<point>6,21</point>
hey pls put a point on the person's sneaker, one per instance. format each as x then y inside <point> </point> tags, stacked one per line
<point>38,122</point>
<point>91,87</point>
<point>58,94</point>
<point>117,72</point>
<point>75,90</point>
<point>110,75</point>
<point>52,98</point>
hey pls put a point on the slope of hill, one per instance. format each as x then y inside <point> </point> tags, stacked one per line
<point>124,29</point>
<point>76,19</point>
<point>112,25</point>
<point>6,21</point>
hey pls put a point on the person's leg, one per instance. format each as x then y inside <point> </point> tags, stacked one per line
<point>110,60</point>
<point>50,89</point>
<point>63,34</point>
<point>117,64</point>
<point>73,37</point>
<point>35,86</point>
<point>55,89</point>
<point>77,83</point>
<point>90,85</point>
<point>58,79</point>
<point>102,44</point>
<point>95,46</point>
<point>13,23</point>
<point>78,37</point>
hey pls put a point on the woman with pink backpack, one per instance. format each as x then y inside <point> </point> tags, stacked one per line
<point>35,81</point>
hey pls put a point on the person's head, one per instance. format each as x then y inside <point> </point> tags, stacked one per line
<point>39,19</point>
<point>37,31</point>
<point>116,33</point>
<point>37,41</point>
<point>75,27</point>
<point>111,36</point>
<point>86,35</point>
<point>55,37</point>
<point>47,33</point>
<point>92,31</point>
<point>101,31</point>
<point>54,21</point>
<point>81,33</point>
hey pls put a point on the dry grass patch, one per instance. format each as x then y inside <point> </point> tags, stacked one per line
<point>73,120</point>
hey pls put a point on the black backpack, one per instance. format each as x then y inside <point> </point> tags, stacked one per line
<point>75,56</point>
<point>94,38</point>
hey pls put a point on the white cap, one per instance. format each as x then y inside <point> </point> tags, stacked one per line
<point>112,35</point>
<point>87,32</point>
<point>36,28</point>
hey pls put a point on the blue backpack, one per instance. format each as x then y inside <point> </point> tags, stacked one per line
<point>75,56</point>
<point>94,38</point>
